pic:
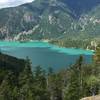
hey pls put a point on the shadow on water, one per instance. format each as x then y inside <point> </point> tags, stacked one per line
<point>45,57</point>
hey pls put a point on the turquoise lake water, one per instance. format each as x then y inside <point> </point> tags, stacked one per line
<point>45,54</point>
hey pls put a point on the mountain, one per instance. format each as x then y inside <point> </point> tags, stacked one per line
<point>46,19</point>
<point>79,7</point>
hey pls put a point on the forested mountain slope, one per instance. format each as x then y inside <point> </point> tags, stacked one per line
<point>46,19</point>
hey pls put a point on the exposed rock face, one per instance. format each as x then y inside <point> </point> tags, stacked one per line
<point>92,98</point>
<point>54,18</point>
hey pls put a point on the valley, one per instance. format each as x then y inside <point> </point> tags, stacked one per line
<point>49,49</point>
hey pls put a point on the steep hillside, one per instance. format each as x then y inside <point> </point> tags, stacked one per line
<point>46,19</point>
<point>41,18</point>
<point>79,7</point>
<point>6,63</point>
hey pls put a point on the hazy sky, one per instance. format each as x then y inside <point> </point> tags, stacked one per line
<point>11,3</point>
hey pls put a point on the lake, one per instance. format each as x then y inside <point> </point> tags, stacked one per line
<point>45,54</point>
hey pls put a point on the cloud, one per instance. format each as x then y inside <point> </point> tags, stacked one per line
<point>12,3</point>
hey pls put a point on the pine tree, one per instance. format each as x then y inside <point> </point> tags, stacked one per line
<point>15,93</point>
<point>7,86</point>
<point>55,86</point>
<point>26,82</point>
<point>40,84</point>
<point>75,86</point>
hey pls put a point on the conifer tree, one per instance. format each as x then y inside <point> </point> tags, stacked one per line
<point>26,82</point>
<point>40,84</point>
<point>74,88</point>
<point>7,86</point>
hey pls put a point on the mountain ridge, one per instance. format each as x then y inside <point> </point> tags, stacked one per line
<point>42,19</point>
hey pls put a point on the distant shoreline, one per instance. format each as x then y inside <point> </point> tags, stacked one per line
<point>45,41</point>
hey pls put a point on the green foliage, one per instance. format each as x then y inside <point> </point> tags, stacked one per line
<point>77,81</point>
<point>54,19</point>
<point>55,86</point>
<point>71,42</point>
<point>74,89</point>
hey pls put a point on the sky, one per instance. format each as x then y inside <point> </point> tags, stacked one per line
<point>12,3</point>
